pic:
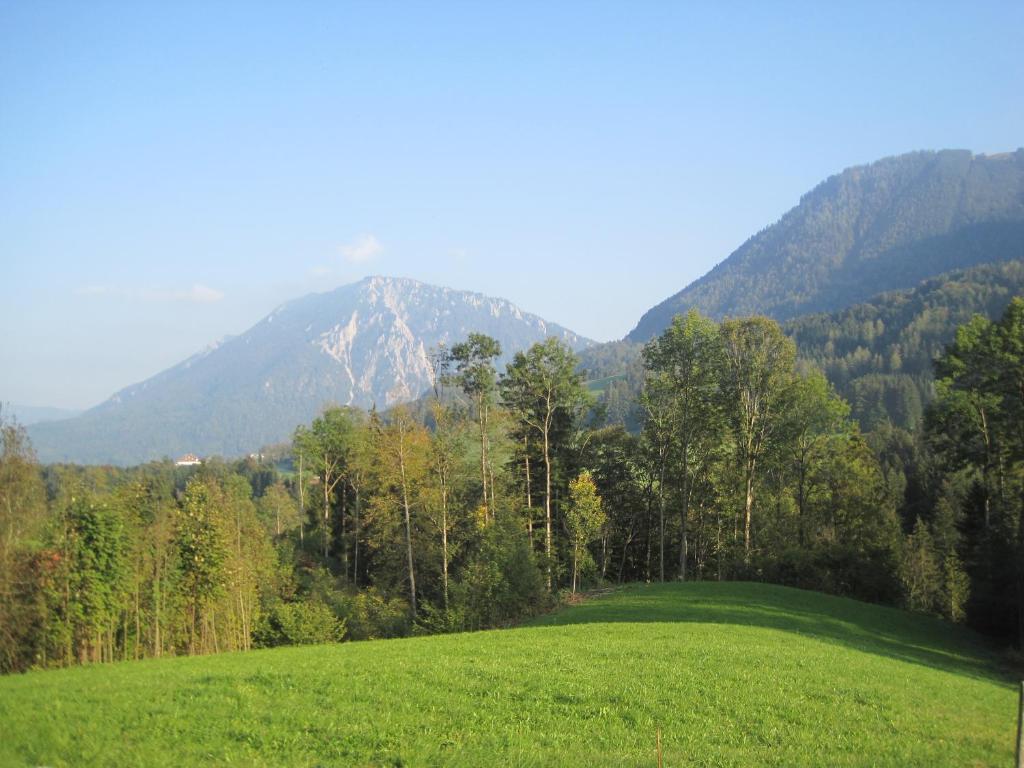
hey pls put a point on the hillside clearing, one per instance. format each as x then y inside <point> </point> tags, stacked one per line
<point>732,674</point>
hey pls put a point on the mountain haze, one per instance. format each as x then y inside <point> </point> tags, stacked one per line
<point>362,344</point>
<point>869,229</point>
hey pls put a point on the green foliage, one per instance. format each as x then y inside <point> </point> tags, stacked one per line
<point>307,622</point>
<point>370,614</point>
<point>919,570</point>
<point>22,519</point>
<point>879,355</point>
<point>501,582</point>
<point>976,427</point>
<point>202,552</point>
<point>584,519</point>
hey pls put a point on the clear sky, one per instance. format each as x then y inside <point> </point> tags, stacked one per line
<point>170,172</point>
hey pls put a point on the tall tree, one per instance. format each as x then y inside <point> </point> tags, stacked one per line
<point>476,376</point>
<point>327,444</point>
<point>539,386</point>
<point>202,555</point>
<point>759,362</point>
<point>659,442</point>
<point>22,516</point>
<point>402,448</point>
<point>815,416</point>
<point>981,397</point>
<point>445,453</point>
<point>584,519</point>
<point>688,355</point>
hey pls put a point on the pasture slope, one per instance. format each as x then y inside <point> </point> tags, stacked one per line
<point>732,674</point>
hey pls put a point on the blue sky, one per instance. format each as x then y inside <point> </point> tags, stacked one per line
<point>171,172</point>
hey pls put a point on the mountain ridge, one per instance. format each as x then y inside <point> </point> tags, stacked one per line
<point>361,344</point>
<point>869,229</point>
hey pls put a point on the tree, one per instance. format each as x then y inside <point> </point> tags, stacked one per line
<point>540,386</point>
<point>94,554</point>
<point>202,555</point>
<point>402,448</point>
<point>759,362</point>
<point>22,517</point>
<point>327,444</point>
<point>476,376</point>
<point>445,452</point>
<point>278,509</point>
<point>919,571</point>
<point>815,416</point>
<point>584,519</point>
<point>977,422</point>
<point>688,358</point>
<point>656,401</point>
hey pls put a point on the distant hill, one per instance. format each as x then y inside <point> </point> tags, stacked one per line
<point>362,344</point>
<point>867,230</point>
<point>35,414</point>
<point>879,354</point>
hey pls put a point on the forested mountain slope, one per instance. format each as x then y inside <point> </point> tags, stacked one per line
<point>879,354</point>
<point>362,344</point>
<point>867,230</point>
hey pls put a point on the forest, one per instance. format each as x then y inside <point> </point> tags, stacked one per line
<point>505,491</point>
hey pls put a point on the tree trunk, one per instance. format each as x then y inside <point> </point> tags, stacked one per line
<point>661,520</point>
<point>327,508</point>
<point>355,548</point>
<point>748,507</point>
<point>575,562</point>
<point>341,531</point>
<point>408,530</point>
<point>302,506</point>
<point>547,502</point>
<point>444,544</point>
<point>483,456</point>
<point>529,498</point>
<point>684,515</point>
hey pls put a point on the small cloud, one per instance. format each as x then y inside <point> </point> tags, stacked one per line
<point>362,249</point>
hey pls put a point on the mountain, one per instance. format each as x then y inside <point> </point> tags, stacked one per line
<point>879,354</point>
<point>35,414</point>
<point>362,344</point>
<point>869,229</point>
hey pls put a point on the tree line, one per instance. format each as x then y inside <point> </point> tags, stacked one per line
<point>481,503</point>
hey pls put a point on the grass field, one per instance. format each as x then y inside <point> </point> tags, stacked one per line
<point>732,674</point>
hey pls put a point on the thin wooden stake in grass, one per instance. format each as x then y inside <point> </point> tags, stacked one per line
<point>659,748</point>
<point>1020,728</point>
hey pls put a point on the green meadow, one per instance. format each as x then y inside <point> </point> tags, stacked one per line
<point>730,674</point>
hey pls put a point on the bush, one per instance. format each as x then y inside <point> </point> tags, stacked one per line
<point>370,615</point>
<point>302,623</point>
<point>502,583</point>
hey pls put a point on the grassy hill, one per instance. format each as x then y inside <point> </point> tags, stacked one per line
<point>732,674</point>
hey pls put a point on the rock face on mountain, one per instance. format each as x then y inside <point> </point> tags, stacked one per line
<point>362,344</point>
<point>869,229</point>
